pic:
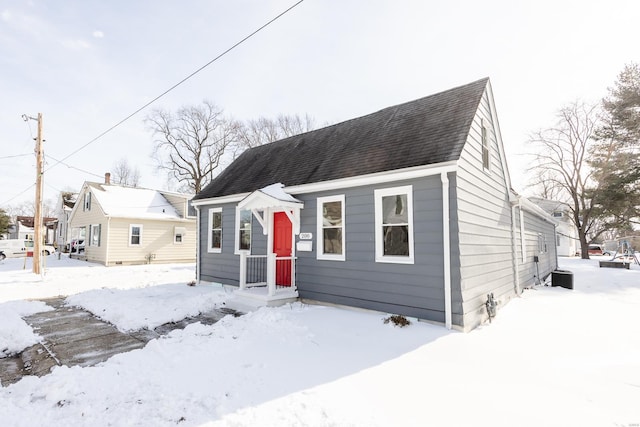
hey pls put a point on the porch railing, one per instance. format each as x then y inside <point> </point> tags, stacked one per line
<point>270,270</point>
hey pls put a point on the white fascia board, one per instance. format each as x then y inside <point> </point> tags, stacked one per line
<point>528,205</point>
<point>375,178</point>
<point>232,198</point>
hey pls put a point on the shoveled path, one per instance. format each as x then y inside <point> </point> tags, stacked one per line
<point>72,336</point>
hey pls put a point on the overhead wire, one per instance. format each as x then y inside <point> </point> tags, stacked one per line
<point>156,98</point>
<point>178,84</point>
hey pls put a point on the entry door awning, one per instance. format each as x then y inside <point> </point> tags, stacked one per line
<point>273,198</point>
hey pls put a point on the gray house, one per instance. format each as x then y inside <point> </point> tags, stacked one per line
<point>408,210</point>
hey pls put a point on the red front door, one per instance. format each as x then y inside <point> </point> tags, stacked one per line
<point>282,241</point>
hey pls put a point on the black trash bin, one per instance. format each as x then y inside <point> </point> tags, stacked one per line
<point>563,278</point>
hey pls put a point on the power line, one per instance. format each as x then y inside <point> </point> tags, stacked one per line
<point>73,167</point>
<point>16,155</point>
<point>177,84</point>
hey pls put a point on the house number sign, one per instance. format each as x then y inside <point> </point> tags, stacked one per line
<point>306,236</point>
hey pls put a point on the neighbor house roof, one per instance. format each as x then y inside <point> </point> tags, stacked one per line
<point>426,131</point>
<point>127,202</point>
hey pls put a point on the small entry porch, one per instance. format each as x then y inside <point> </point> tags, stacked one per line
<point>269,279</point>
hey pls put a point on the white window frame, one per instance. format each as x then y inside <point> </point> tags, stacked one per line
<point>176,234</point>
<point>87,201</point>
<point>237,249</point>
<point>131,227</point>
<point>211,249</point>
<point>378,195</point>
<point>542,243</point>
<point>91,234</point>
<point>485,142</point>
<point>320,255</point>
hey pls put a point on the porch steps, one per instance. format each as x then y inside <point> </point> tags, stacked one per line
<point>251,299</point>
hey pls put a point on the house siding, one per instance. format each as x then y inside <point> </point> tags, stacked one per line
<point>157,239</point>
<point>534,226</point>
<point>223,267</point>
<point>484,222</point>
<point>415,290</point>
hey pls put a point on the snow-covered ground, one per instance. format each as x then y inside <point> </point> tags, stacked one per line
<point>554,357</point>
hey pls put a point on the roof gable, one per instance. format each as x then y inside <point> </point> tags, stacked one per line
<point>426,131</point>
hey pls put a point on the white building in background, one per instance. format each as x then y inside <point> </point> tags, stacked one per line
<point>567,240</point>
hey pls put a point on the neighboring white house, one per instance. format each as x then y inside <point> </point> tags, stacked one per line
<point>123,225</point>
<point>64,206</point>
<point>567,240</point>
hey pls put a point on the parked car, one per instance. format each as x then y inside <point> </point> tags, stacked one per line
<point>595,250</point>
<point>77,245</point>
<point>14,248</point>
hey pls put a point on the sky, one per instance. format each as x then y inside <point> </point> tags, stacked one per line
<point>87,65</point>
<point>552,357</point>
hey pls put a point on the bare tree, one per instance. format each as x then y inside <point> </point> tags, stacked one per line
<point>124,174</point>
<point>190,143</point>
<point>561,162</point>
<point>264,130</point>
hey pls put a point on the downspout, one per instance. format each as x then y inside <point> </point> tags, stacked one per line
<point>523,245</point>
<point>197,244</point>
<point>446,248</point>
<point>514,257</point>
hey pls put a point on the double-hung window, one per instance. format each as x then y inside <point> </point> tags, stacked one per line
<point>94,239</point>
<point>330,220</point>
<point>135,235</point>
<point>243,227</point>
<point>394,225</point>
<point>215,230</point>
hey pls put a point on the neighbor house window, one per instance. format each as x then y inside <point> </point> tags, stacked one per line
<point>215,230</point>
<point>330,220</point>
<point>94,238</point>
<point>486,158</point>
<point>243,225</point>
<point>557,214</point>
<point>135,235</point>
<point>394,224</point>
<point>542,243</point>
<point>87,201</point>
<point>178,234</point>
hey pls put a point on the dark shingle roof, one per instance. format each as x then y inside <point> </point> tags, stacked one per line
<point>426,131</point>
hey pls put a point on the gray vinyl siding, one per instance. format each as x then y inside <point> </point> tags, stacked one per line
<point>527,269</point>
<point>484,221</point>
<point>221,267</point>
<point>415,290</point>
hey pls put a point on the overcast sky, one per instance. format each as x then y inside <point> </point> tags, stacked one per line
<point>87,64</point>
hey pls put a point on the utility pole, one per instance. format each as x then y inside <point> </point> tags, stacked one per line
<point>37,219</point>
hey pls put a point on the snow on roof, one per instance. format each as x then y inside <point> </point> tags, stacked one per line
<point>128,202</point>
<point>277,192</point>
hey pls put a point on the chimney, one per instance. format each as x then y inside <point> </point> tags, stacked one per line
<point>107,178</point>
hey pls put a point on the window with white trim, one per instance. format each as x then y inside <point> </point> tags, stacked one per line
<point>542,243</point>
<point>330,228</point>
<point>135,234</point>
<point>394,225</point>
<point>486,157</point>
<point>215,230</point>
<point>94,234</point>
<point>243,227</point>
<point>178,234</point>
<point>87,201</point>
